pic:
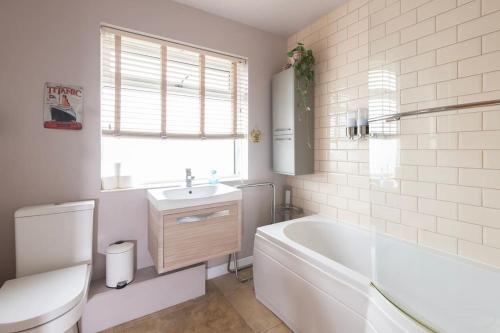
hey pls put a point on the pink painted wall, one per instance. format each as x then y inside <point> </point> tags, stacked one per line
<point>58,41</point>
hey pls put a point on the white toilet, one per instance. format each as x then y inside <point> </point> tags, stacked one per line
<point>53,269</point>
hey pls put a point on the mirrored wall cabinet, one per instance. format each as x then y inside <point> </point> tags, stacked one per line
<point>293,126</point>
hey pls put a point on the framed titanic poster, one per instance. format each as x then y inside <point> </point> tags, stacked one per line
<point>63,106</point>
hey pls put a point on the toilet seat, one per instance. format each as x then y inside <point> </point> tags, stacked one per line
<point>34,300</point>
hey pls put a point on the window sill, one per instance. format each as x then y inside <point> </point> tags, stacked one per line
<point>227,181</point>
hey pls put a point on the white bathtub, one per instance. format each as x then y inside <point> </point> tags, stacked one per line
<point>315,274</point>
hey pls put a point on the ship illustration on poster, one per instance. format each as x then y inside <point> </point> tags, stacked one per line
<point>63,106</point>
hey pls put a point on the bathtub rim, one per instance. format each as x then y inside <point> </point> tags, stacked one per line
<point>264,231</point>
<point>275,233</point>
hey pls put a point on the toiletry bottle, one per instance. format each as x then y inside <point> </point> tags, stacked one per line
<point>214,179</point>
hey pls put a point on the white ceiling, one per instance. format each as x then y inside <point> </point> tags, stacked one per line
<point>283,17</point>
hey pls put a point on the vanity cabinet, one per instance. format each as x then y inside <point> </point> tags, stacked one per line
<point>293,127</point>
<point>182,237</point>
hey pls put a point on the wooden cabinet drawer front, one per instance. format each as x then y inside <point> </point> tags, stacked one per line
<point>195,236</point>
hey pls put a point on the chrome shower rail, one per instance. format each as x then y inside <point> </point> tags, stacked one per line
<point>398,116</point>
<point>273,220</point>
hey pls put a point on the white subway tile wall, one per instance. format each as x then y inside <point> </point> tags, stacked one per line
<point>436,180</point>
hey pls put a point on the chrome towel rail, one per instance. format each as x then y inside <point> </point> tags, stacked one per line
<point>234,256</point>
<point>273,208</point>
<point>398,116</point>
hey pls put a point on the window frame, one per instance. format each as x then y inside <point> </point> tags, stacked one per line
<point>239,106</point>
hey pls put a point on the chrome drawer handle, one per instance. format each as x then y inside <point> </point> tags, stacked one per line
<point>283,139</point>
<point>282,129</point>
<point>202,217</point>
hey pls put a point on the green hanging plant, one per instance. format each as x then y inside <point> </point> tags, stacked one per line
<point>302,61</point>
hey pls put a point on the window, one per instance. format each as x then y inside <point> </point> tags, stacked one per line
<point>166,106</point>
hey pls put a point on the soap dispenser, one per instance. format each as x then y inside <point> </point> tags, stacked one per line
<point>214,178</point>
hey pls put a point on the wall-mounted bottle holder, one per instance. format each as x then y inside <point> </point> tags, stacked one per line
<point>351,132</point>
<point>357,124</point>
<point>363,130</point>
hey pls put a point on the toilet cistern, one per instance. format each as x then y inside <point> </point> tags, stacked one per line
<point>189,178</point>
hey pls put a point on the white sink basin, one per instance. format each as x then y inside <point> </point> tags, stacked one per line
<point>181,197</point>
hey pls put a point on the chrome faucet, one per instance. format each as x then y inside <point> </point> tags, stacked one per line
<point>189,178</point>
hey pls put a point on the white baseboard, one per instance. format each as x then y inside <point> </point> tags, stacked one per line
<point>215,271</point>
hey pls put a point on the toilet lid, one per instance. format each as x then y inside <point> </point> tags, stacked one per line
<point>37,299</point>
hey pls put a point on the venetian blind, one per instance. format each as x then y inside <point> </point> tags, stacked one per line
<point>153,87</point>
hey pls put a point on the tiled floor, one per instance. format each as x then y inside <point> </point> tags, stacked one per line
<point>228,306</point>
